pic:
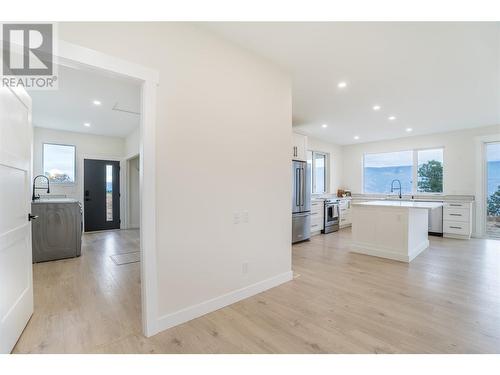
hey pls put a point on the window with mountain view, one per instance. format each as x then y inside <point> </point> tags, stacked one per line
<point>423,166</point>
<point>59,163</point>
<point>381,169</point>
<point>493,190</point>
<point>430,171</point>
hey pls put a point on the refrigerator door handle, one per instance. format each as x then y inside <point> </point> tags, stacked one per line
<point>297,181</point>
<point>302,214</point>
<point>299,192</point>
<point>302,187</point>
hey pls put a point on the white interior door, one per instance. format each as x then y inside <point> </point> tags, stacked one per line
<point>16,280</point>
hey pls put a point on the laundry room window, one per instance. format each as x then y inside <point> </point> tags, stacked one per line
<point>59,163</point>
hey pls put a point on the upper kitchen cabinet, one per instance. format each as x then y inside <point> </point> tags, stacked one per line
<point>299,147</point>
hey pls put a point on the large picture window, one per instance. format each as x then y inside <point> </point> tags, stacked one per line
<point>59,163</point>
<point>419,171</point>
<point>318,163</point>
<point>381,169</point>
<point>430,171</point>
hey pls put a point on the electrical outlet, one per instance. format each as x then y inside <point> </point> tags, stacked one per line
<point>244,267</point>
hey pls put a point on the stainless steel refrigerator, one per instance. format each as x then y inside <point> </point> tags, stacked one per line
<point>301,201</point>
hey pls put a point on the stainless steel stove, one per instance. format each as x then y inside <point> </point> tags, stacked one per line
<point>332,216</point>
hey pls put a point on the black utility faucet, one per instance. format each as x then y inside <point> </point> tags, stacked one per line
<point>37,196</point>
<point>394,188</point>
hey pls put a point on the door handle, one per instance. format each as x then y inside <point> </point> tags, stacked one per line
<point>297,192</point>
<point>302,187</point>
<point>32,217</point>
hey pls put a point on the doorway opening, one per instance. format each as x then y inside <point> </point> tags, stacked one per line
<point>83,133</point>
<point>492,176</point>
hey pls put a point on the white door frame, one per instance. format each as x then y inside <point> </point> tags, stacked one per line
<point>481,185</point>
<point>126,195</point>
<point>71,54</point>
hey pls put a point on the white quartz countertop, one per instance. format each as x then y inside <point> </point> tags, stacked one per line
<point>401,204</point>
<point>54,200</point>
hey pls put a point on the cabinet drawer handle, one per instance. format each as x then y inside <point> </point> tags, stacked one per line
<point>455,205</point>
<point>314,213</point>
<point>314,225</point>
<point>455,227</point>
<point>455,214</point>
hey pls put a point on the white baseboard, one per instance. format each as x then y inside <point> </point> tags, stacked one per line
<point>382,252</point>
<point>170,320</point>
<point>418,249</point>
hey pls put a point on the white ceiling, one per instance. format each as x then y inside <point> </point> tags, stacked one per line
<point>69,107</point>
<point>433,77</point>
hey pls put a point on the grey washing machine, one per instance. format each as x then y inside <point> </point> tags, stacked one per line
<point>57,229</point>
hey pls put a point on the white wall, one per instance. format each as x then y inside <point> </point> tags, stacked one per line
<point>133,193</point>
<point>223,138</point>
<point>336,164</point>
<point>132,143</point>
<point>86,145</point>
<point>459,158</point>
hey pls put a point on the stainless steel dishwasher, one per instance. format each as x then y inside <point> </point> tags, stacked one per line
<point>436,221</point>
<point>57,229</point>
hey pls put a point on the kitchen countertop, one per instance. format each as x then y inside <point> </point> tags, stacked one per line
<point>54,200</point>
<point>400,204</point>
<point>417,197</point>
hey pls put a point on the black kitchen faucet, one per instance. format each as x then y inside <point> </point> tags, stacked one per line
<point>37,196</point>
<point>394,188</point>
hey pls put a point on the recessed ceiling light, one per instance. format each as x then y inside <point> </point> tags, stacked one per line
<point>86,124</point>
<point>356,137</point>
<point>409,130</point>
<point>376,108</point>
<point>324,126</point>
<point>341,84</point>
<point>96,102</point>
<point>392,118</point>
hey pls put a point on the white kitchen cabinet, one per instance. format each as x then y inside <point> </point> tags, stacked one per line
<point>457,220</point>
<point>317,216</point>
<point>299,147</point>
<point>345,212</point>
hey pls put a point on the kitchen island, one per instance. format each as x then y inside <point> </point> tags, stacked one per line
<point>391,229</point>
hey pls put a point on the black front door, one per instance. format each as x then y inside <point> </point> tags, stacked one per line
<point>101,191</point>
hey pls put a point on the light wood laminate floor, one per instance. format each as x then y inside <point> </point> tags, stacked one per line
<point>446,301</point>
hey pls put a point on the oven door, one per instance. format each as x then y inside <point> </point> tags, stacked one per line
<point>331,214</point>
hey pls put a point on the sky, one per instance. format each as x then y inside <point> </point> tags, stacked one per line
<point>109,173</point>
<point>59,159</point>
<point>493,152</point>
<point>401,158</point>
